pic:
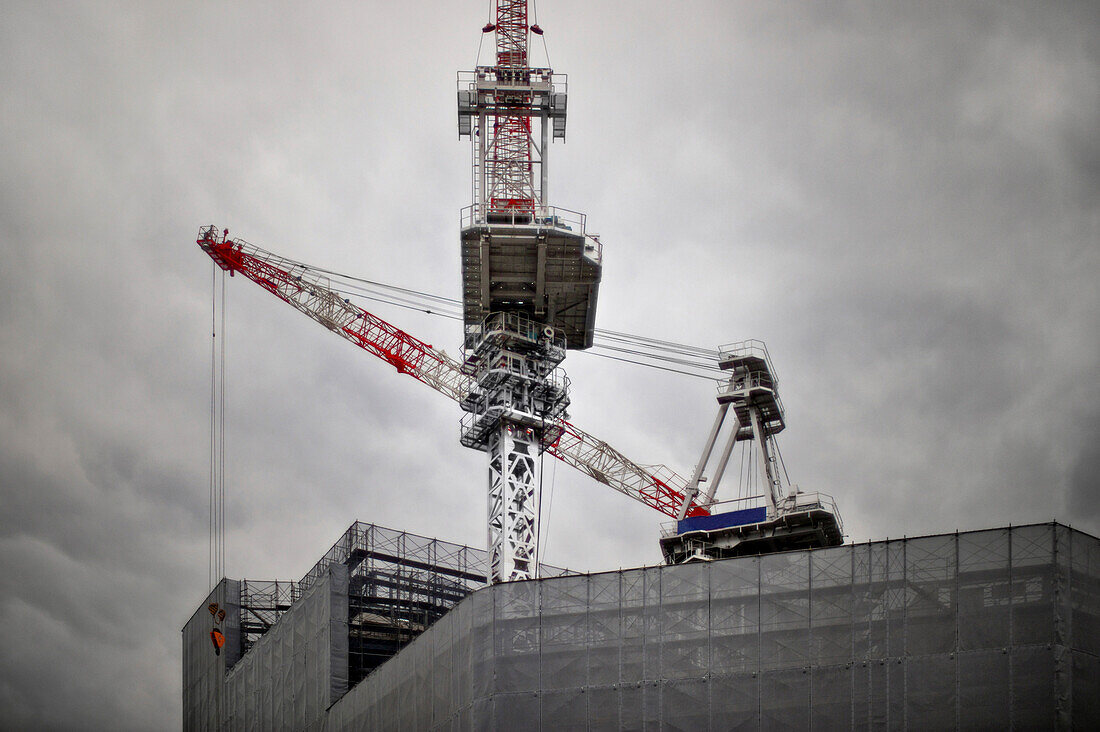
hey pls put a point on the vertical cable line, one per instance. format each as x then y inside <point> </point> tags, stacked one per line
<point>544,540</point>
<point>782,464</point>
<point>742,489</point>
<point>535,21</point>
<point>221,437</point>
<point>216,499</point>
<point>213,424</point>
<point>539,552</point>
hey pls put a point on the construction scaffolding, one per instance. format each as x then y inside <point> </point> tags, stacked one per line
<point>399,584</point>
<point>262,604</point>
<point>993,629</point>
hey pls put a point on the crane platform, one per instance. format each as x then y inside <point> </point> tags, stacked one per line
<point>540,262</point>
<point>802,521</point>
<point>752,383</point>
<point>776,520</point>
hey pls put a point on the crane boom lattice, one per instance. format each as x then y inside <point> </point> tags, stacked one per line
<point>310,293</point>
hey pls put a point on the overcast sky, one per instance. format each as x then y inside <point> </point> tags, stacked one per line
<point>902,199</point>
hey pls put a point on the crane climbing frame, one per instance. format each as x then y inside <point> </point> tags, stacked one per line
<point>530,283</point>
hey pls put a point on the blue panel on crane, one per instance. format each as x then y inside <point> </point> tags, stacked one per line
<point>722,520</point>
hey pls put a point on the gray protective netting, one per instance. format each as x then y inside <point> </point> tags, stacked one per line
<point>929,632</point>
<point>983,629</point>
<point>287,680</point>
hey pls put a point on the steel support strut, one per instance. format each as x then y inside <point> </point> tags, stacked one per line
<point>767,470</point>
<point>697,476</point>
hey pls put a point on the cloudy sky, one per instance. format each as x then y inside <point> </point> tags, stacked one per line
<point>902,199</point>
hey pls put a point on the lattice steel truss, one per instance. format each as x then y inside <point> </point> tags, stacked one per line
<point>496,108</point>
<point>509,164</point>
<point>309,292</point>
<point>520,261</point>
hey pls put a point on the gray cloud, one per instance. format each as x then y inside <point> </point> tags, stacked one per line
<point>1084,483</point>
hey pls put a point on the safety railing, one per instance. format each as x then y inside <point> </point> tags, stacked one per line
<point>796,501</point>
<point>593,249</point>
<point>755,380</point>
<point>750,347</point>
<point>538,217</point>
<point>484,78</point>
<point>474,427</point>
<point>496,329</point>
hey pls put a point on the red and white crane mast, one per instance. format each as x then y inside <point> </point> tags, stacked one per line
<point>509,162</point>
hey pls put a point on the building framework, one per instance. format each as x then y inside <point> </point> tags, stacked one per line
<point>399,584</point>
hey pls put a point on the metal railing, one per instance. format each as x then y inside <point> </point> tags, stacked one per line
<point>474,427</point>
<point>497,328</point>
<point>484,78</point>
<point>794,502</point>
<point>755,380</point>
<point>539,217</point>
<point>593,249</point>
<point>750,347</point>
<point>798,501</point>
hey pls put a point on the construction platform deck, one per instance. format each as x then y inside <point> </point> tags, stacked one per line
<point>542,263</point>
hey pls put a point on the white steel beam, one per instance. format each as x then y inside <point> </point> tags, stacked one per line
<point>514,467</point>
<point>767,472</point>
<point>723,460</point>
<point>697,476</point>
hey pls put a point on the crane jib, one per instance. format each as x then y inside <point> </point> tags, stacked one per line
<point>307,293</point>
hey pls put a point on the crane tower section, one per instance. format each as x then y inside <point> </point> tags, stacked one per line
<point>518,252</point>
<point>530,278</point>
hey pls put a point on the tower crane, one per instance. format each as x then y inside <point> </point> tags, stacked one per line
<point>530,280</point>
<point>531,275</point>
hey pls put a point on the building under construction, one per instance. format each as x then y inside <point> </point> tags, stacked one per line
<point>761,616</point>
<point>995,629</point>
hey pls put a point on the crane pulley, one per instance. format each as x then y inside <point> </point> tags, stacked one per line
<point>309,292</point>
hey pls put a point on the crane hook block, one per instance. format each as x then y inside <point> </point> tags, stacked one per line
<point>489,28</point>
<point>218,640</point>
<point>536,30</point>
